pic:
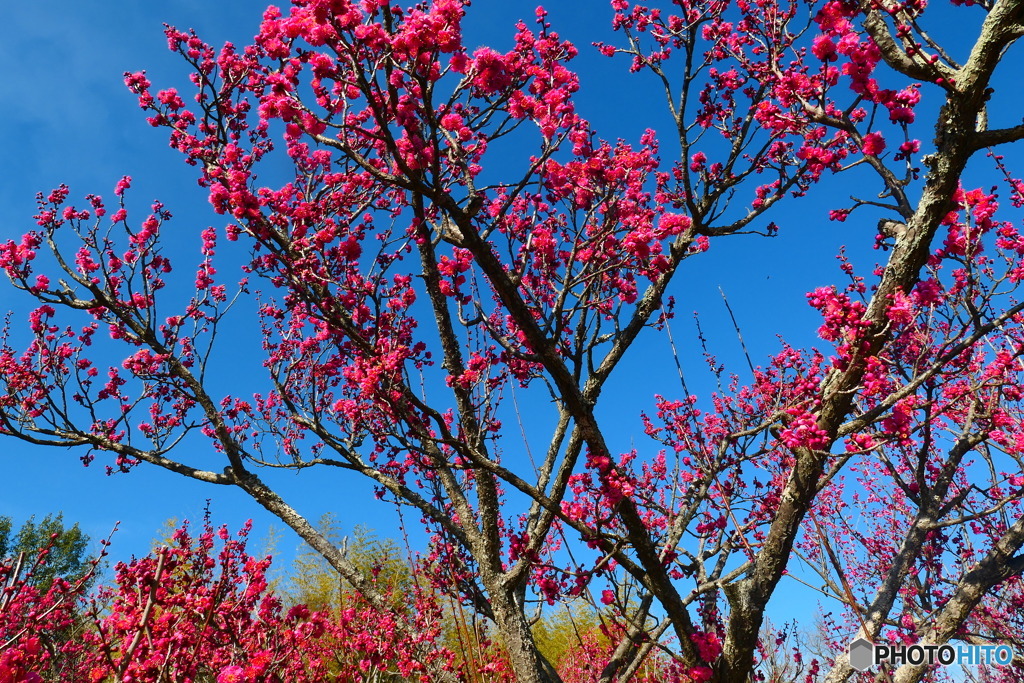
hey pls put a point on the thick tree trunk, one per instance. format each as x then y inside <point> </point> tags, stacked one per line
<point>529,664</point>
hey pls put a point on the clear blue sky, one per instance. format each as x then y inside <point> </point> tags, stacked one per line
<point>67,118</point>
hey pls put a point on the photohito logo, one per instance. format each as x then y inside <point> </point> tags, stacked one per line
<point>864,654</point>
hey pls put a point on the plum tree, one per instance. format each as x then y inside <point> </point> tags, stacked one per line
<point>412,279</point>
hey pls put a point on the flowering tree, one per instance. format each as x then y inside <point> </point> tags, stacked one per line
<point>411,283</point>
<point>40,621</point>
<point>202,609</point>
<point>194,609</point>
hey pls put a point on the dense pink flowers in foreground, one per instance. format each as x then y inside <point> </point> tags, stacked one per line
<point>202,607</point>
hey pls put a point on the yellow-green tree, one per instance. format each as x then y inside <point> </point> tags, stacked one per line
<point>560,630</point>
<point>311,581</point>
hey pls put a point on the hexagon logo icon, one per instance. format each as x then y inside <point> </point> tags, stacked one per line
<point>862,654</point>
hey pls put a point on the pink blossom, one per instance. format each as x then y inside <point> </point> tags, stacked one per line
<point>901,115</point>
<point>873,144</point>
<point>490,70</point>
<point>673,224</point>
<point>231,674</point>
<point>451,121</point>
<point>824,49</point>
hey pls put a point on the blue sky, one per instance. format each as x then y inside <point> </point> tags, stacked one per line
<point>68,118</point>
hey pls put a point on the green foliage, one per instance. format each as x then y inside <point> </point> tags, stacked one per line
<point>5,536</point>
<point>560,630</point>
<point>313,582</point>
<point>66,558</point>
<point>268,546</point>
